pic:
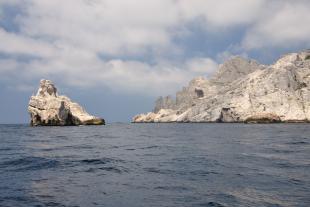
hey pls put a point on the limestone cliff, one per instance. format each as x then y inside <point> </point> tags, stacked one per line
<point>47,108</point>
<point>243,91</point>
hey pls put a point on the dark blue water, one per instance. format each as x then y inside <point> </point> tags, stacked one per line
<point>155,165</point>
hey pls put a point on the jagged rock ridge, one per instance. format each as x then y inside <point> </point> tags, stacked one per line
<point>242,91</point>
<point>47,108</point>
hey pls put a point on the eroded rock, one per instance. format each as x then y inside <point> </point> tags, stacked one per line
<point>47,108</point>
<point>245,91</point>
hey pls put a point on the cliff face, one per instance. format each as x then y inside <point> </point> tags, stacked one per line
<point>243,91</point>
<point>47,108</point>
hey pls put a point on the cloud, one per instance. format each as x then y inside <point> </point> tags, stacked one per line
<point>12,43</point>
<point>107,27</point>
<point>230,53</point>
<point>202,65</point>
<point>118,75</point>
<point>222,13</point>
<point>285,25</point>
<point>130,46</point>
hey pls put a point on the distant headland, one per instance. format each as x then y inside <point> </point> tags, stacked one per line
<point>242,91</point>
<point>47,108</point>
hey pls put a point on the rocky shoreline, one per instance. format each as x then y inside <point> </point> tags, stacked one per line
<point>242,91</point>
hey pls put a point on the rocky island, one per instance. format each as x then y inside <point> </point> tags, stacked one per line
<point>47,108</point>
<point>242,91</point>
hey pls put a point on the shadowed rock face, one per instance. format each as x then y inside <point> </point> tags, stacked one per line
<point>48,109</point>
<point>244,91</point>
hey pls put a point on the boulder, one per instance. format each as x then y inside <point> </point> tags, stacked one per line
<point>47,108</point>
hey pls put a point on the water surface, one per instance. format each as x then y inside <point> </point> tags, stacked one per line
<point>155,165</point>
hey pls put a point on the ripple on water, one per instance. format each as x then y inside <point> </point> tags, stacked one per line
<point>103,164</point>
<point>173,188</point>
<point>29,163</point>
<point>211,204</point>
<point>298,143</point>
<point>6,149</point>
<point>158,171</point>
<point>150,147</point>
<point>100,161</point>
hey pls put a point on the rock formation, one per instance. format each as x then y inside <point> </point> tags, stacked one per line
<point>164,103</point>
<point>47,108</point>
<point>243,91</point>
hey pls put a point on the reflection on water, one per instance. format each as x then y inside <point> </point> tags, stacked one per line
<point>155,165</point>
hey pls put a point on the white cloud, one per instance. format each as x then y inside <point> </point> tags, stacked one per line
<point>67,39</point>
<point>202,65</point>
<point>12,43</point>
<point>109,27</point>
<point>223,13</point>
<point>118,75</point>
<point>284,26</point>
<point>230,53</point>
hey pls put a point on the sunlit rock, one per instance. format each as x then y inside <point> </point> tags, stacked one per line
<point>47,108</point>
<point>244,91</point>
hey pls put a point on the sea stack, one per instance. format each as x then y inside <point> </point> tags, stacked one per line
<point>47,108</point>
<point>242,91</point>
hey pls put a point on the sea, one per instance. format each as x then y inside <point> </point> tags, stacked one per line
<point>155,165</point>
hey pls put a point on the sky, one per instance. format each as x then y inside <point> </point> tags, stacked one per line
<point>115,57</point>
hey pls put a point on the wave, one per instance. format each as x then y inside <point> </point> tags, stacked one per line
<point>29,163</point>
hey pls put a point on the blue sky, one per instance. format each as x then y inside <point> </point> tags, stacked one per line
<point>114,57</point>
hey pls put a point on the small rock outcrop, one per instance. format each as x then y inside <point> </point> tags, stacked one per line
<point>243,91</point>
<point>47,108</point>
